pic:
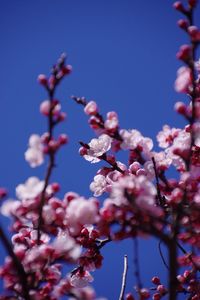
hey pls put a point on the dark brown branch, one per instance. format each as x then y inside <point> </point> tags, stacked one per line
<point>114,165</point>
<point>17,264</point>
<point>160,198</point>
<point>50,165</point>
<point>173,269</point>
<point>124,275</point>
<point>42,201</point>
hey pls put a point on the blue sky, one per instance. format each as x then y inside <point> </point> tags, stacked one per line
<point>123,56</point>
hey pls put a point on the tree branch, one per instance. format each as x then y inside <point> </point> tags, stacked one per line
<point>17,264</point>
<point>124,275</point>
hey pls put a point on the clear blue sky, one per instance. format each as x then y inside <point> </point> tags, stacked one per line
<point>123,56</point>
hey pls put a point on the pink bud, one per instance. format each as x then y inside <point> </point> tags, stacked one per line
<point>45,138</point>
<point>144,293</point>
<point>42,79</point>
<point>53,145</point>
<point>180,107</point>
<point>91,108</point>
<point>67,69</point>
<point>184,53</point>
<point>180,278</point>
<point>156,296</point>
<point>194,33</point>
<point>94,122</point>
<point>183,24</point>
<point>161,289</point>
<point>62,116</point>
<point>83,151</point>
<point>55,187</point>
<point>63,139</point>
<point>3,192</point>
<point>178,6</point>
<point>155,280</point>
<point>129,297</point>
<point>45,107</point>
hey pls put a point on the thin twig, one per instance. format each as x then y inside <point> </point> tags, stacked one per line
<point>160,198</point>
<point>124,275</point>
<point>49,168</point>
<point>102,243</point>
<point>161,255</point>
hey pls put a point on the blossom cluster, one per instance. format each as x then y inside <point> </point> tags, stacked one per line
<point>138,195</point>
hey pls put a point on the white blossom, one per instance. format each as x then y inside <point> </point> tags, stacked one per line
<point>34,154</point>
<point>30,189</point>
<point>98,147</point>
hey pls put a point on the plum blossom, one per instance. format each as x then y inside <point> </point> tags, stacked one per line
<point>91,108</point>
<point>183,80</point>
<point>30,189</point>
<point>9,206</point>
<point>166,136</point>
<point>182,141</point>
<point>132,138</point>
<point>97,147</point>
<point>65,244</point>
<point>112,121</point>
<point>81,212</point>
<point>34,154</point>
<point>81,279</point>
<point>45,107</point>
<point>140,191</point>
<point>180,146</point>
<point>98,186</point>
<point>162,160</point>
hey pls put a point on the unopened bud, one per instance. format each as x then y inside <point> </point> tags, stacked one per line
<point>42,79</point>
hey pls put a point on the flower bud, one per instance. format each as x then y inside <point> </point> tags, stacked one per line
<point>42,79</point>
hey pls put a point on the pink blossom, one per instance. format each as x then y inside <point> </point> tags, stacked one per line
<point>65,244</point>
<point>98,186</point>
<point>34,154</point>
<point>91,108</point>
<point>132,139</point>
<point>114,175</point>
<point>45,107</point>
<point>81,279</point>
<point>182,141</point>
<point>81,212</point>
<point>9,207</point>
<point>166,136</point>
<point>162,160</point>
<point>112,121</point>
<point>139,190</point>
<point>183,80</point>
<point>98,147</point>
<point>30,189</point>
